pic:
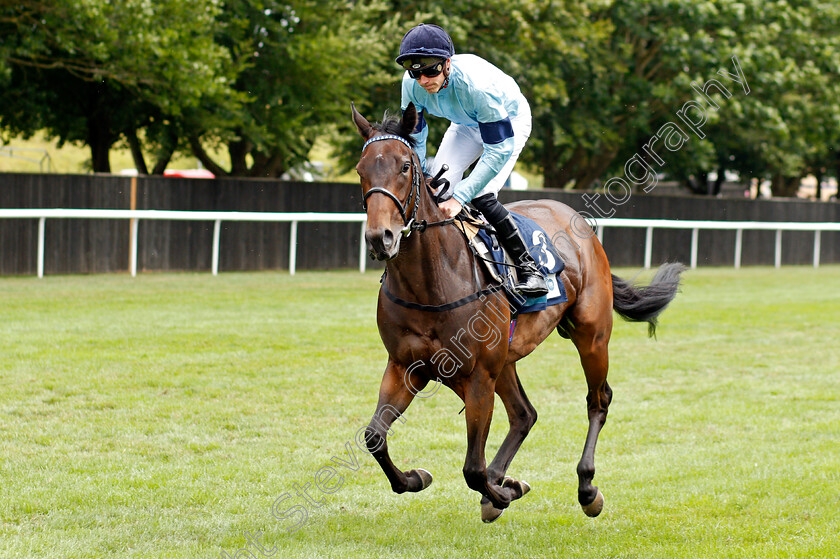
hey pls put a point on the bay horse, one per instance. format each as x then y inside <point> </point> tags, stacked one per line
<point>443,319</point>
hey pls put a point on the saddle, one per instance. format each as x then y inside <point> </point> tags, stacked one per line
<point>482,240</point>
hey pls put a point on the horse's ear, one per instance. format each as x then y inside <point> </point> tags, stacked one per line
<point>364,127</point>
<point>409,120</point>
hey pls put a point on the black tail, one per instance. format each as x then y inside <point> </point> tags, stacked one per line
<point>644,304</point>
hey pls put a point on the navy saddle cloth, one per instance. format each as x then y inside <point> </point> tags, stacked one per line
<point>544,254</point>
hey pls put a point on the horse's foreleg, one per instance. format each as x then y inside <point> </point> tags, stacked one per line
<point>595,361</point>
<point>478,400</point>
<point>396,392</point>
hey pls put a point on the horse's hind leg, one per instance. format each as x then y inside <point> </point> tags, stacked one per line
<point>521,417</point>
<point>396,392</point>
<point>478,399</point>
<point>591,342</point>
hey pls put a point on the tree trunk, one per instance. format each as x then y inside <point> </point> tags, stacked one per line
<point>167,150</point>
<point>239,150</point>
<point>785,187</point>
<point>837,174</point>
<point>99,136</point>
<point>100,146</point>
<point>555,176</point>
<point>136,152</point>
<point>818,174</point>
<point>699,183</point>
<point>555,173</point>
<point>267,165</point>
<point>594,169</point>
<point>164,157</point>
<point>721,176</point>
<point>201,155</point>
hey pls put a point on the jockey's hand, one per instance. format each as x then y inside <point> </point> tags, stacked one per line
<point>451,207</point>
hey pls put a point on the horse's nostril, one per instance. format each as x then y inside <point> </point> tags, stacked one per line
<point>387,239</point>
<point>381,241</point>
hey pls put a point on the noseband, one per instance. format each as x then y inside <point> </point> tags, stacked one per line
<point>410,222</point>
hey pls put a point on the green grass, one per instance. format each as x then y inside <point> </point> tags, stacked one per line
<point>161,416</point>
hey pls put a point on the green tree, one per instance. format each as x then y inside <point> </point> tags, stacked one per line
<point>94,73</point>
<point>604,75</point>
<point>789,125</point>
<point>512,34</point>
<point>302,62</point>
<point>632,77</point>
<point>261,79</point>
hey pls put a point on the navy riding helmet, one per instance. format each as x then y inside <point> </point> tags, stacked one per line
<point>424,41</point>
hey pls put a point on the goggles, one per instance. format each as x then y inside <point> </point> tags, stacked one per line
<point>424,67</point>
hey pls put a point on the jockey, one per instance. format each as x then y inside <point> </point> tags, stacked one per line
<point>490,122</point>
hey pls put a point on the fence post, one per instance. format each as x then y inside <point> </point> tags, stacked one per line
<point>41,230</point>
<point>132,246</point>
<point>217,232</point>
<point>293,248</point>
<point>132,230</point>
<point>817,248</point>
<point>778,258</point>
<point>362,251</point>
<point>648,246</point>
<point>694,234</point>
<point>738,239</point>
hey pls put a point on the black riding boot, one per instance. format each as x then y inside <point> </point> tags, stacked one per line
<point>531,281</point>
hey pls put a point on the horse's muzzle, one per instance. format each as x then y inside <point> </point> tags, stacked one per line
<point>382,243</point>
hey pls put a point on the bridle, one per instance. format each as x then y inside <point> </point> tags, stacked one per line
<point>410,223</point>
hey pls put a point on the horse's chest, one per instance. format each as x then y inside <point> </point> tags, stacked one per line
<point>449,346</point>
<point>408,342</point>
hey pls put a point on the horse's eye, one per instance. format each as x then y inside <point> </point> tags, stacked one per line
<point>406,167</point>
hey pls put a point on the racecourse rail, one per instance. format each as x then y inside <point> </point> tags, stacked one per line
<point>296,217</point>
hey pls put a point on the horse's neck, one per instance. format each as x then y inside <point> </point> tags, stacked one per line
<point>433,267</point>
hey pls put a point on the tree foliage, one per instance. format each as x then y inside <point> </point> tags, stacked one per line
<point>260,80</point>
<point>96,72</point>
<point>302,62</point>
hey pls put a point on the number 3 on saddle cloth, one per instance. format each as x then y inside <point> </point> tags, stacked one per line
<point>544,254</point>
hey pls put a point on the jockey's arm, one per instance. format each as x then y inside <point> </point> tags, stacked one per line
<point>496,154</point>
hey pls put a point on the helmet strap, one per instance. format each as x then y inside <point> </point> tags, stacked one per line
<point>446,65</point>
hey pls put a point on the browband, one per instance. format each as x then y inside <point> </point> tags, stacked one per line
<point>387,137</point>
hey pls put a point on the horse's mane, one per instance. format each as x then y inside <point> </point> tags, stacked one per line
<point>393,125</point>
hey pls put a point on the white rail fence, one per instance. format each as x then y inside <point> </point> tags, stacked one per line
<point>216,217</point>
<point>294,218</point>
<point>738,226</point>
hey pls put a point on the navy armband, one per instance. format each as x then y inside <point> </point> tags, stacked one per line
<point>496,132</point>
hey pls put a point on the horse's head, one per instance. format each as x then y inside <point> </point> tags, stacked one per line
<point>391,180</point>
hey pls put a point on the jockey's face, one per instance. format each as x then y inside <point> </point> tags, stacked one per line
<point>433,85</point>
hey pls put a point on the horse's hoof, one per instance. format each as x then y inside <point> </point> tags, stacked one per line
<point>520,487</point>
<point>426,478</point>
<point>594,508</point>
<point>489,513</point>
